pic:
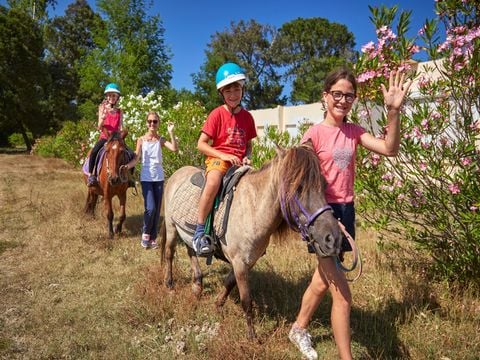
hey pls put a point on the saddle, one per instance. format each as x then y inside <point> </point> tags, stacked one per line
<point>185,215</point>
<point>98,160</point>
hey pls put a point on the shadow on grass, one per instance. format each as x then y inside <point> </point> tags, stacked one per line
<point>374,330</point>
<point>13,151</point>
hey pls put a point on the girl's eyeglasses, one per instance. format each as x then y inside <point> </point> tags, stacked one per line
<point>338,95</point>
<point>152,122</point>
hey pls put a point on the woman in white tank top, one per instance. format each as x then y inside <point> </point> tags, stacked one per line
<point>149,149</point>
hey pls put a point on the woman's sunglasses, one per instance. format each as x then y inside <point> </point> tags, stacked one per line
<point>152,122</point>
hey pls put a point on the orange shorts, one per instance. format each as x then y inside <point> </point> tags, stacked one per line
<point>213,163</point>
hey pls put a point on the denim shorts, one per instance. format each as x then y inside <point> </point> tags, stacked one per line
<point>346,214</point>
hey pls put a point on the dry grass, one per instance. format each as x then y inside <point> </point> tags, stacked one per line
<point>68,292</point>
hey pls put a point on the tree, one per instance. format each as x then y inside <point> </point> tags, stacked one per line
<point>135,54</point>
<point>129,50</point>
<point>37,9</point>
<point>22,75</point>
<point>69,39</point>
<point>308,49</point>
<point>248,44</point>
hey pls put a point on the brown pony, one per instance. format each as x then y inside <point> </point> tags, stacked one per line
<point>290,189</point>
<point>112,181</point>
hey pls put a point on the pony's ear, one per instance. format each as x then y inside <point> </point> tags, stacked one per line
<point>279,150</point>
<point>124,133</point>
<point>309,144</point>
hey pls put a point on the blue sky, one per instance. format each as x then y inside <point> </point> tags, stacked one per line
<point>189,24</point>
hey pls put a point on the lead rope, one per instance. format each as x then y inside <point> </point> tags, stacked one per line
<point>357,259</point>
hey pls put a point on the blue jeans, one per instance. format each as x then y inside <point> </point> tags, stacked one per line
<point>152,199</point>
<point>346,214</point>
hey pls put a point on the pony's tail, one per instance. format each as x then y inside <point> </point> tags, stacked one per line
<point>163,239</point>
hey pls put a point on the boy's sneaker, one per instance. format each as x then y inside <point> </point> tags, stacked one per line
<point>303,340</point>
<point>145,241</point>
<point>92,180</point>
<point>153,244</point>
<point>202,244</point>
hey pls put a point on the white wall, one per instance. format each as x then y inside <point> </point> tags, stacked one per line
<point>286,118</point>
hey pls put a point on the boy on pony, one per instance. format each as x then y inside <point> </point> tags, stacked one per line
<point>226,140</point>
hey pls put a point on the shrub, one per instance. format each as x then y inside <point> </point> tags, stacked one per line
<point>429,193</point>
<point>69,143</point>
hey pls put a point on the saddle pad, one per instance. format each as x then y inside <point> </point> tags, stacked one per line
<point>185,209</point>
<point>98,166</point>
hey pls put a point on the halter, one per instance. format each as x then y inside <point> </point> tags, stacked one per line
<point>303,229</point>
<point>310,218</point>
<point>123,175</point>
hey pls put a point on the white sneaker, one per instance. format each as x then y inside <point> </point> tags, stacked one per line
<point>303,340</point>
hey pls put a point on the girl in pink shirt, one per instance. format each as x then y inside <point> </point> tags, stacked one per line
<point>109,118</point>
<point>335,141</point>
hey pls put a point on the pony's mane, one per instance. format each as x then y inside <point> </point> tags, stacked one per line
<point>299,172</point>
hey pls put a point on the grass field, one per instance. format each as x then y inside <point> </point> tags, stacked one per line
<point>67,292</point>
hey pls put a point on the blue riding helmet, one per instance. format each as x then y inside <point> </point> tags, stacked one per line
<point>112,87</point>
<point>229,73</point>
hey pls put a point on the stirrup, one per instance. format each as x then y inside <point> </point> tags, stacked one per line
<point>203,245</point>
<point>92,180</point>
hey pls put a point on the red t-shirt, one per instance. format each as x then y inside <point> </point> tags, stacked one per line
<point>336,148</point>
<point>111,123</point>
<point>229,132</point>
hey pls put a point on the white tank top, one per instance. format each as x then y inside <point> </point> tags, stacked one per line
<point>152,161</point>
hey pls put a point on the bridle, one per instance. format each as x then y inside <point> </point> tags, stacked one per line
<point>303,228</point>
<point>123,175</point>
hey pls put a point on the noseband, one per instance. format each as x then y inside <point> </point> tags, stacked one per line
<point>123,175</point>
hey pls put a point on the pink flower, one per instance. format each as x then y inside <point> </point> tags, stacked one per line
<point>422,165</point>
<point>475,125</point>
<point>363,114</point>
<point>423,82</point>
<point>414,49</point>
<point>436,115</point>
<point>424,124</point>
<point>416,133</point>
<point>366,76</point>
<point>387,176</point>
<point>454,189</point>
<point>368,47</point>
<point>473,208</point>
<point>466,161</point>
<point>375,159</point>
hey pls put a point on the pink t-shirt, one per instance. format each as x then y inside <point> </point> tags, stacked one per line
<point>336,147</point>
<point>230,133</point>
<point>111,123</point>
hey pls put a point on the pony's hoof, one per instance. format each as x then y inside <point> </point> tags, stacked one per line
<point>197,290</point>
